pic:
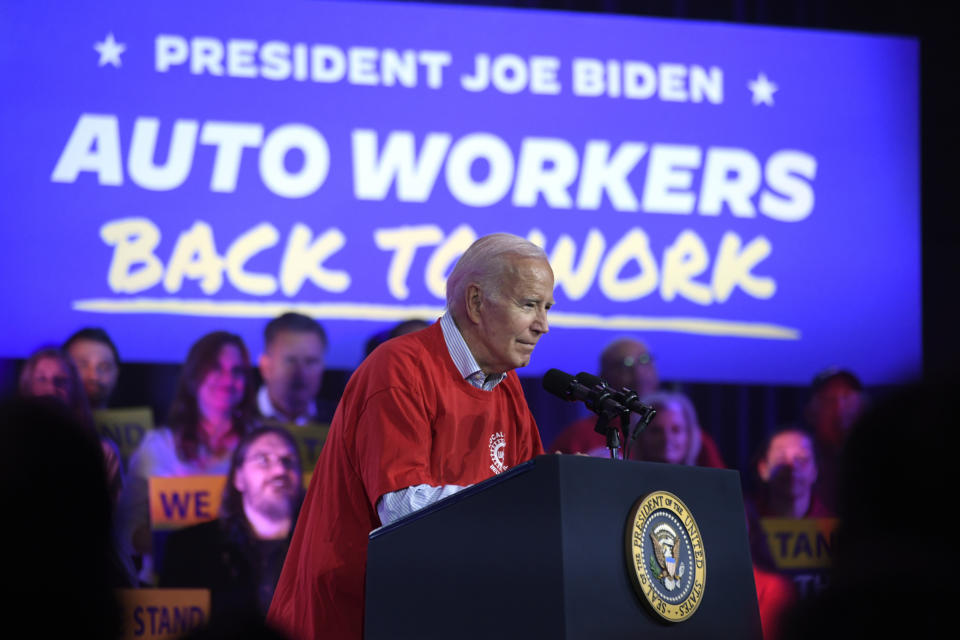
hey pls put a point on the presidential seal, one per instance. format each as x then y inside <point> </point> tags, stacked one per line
<point>665,556</point>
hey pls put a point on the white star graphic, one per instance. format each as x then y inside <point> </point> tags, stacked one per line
<point>762,90</point>
<point>109,51</point>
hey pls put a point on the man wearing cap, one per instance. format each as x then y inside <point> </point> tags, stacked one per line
<point>836,401</point>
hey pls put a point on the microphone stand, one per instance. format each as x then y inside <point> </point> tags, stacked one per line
<point>603,401</point>
<point>612,432</point>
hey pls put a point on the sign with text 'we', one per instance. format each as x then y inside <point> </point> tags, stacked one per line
<point>182,501</point>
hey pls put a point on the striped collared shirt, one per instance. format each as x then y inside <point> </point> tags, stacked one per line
<point>465,362</point>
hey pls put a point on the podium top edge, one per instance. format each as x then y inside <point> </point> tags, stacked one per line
<point>456,497</point>
<point>550,460</point>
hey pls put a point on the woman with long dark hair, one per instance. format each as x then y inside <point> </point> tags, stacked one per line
<point>212,408</point>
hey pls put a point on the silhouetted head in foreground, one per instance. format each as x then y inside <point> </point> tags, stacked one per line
<point>895,539</point>
<point>58,563</point>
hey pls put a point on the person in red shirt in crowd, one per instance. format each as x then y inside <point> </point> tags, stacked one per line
<point>425,415</point>
<point>776,597</point>
<point>788,471</point>
<point>626,362</point>
<point>836,402</point>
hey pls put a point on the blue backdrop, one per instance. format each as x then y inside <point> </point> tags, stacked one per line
<point>744,198</point>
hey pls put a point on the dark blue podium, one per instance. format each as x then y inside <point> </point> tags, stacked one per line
<point>539,552</point>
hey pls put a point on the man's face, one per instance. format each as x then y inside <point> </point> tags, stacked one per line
<point>292,369</point>
<point>269,477</point>
<point>666,437</point>
<point>50,378</point>
<point>627,363</point>
<point>789,466</point>
<point>97,368</point>
<point>221,389</point>
<point>511,321</point>
<point>833,410</point>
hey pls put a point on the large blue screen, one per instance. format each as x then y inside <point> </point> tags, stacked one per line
<point>745,199</point>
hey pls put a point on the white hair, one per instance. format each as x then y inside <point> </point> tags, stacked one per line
<point>484,263</point>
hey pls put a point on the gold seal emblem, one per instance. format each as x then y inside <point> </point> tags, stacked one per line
<point>665,555</point>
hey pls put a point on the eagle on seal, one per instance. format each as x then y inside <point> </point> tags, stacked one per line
<point>668,563</point>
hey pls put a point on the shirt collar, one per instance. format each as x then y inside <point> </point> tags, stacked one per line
<point>463,359</point>
<point>267,410</point>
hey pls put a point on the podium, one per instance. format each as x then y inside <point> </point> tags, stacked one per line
<point>541,551</point>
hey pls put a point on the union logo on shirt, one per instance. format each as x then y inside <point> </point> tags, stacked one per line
<point>497,445</point>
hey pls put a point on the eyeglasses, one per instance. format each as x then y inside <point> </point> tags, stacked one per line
<point>266,460</point>
<point>631,361</point>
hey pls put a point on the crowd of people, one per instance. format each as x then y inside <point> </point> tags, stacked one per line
<point>218,423</point>
<point>424,392</point>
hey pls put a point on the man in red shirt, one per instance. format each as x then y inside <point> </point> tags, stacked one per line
<point>426,414</point>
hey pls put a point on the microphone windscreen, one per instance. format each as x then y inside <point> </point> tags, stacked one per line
<point>558,383</point>
<point>590,380</point>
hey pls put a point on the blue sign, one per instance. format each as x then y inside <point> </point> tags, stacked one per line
<point>745,199</point>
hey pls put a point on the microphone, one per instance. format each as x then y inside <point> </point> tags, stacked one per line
<point>599,400</point>
<point>627,397</point>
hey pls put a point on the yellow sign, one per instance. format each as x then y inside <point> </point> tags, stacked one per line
<point>665,556</point>
<point>310,439</point>
<point>127,427</point>
<point>801,543</point>
<point>163,613</point>
<point>181,502</point>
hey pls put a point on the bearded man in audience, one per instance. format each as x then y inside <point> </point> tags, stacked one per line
<point>239,555</point>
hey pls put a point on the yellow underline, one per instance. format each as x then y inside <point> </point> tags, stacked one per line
<point>242,309</point>
<point>699,326</point>
<point>397,313</point>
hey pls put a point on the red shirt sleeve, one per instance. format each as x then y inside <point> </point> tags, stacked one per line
<point>394,442</point>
